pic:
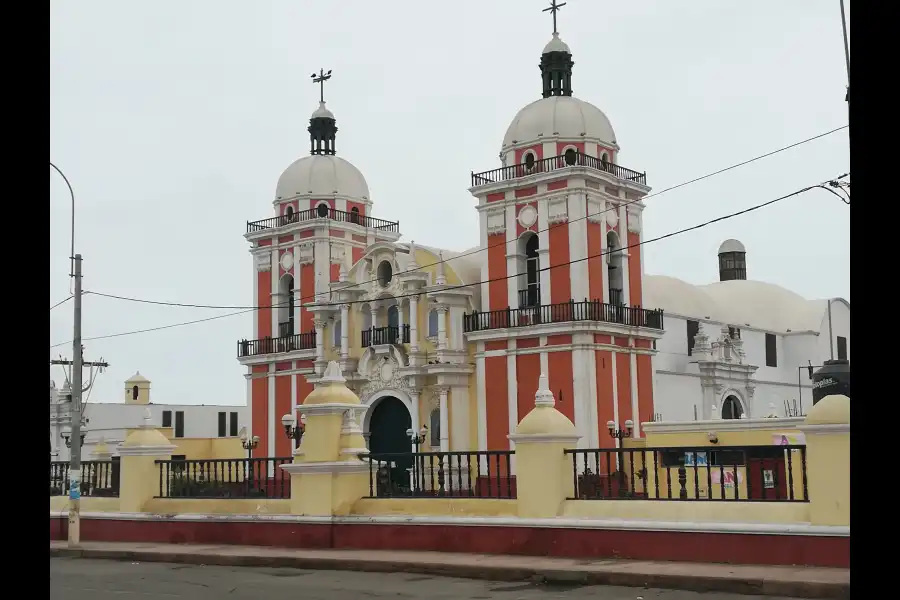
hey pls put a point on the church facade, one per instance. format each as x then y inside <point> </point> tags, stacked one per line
<point>451,344</point>
<point>454,342</point>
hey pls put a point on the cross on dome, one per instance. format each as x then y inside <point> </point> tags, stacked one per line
<point>322,77</point>
<point>553,9</point>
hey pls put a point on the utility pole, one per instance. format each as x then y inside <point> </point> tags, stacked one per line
<point>75,457</point>
<point>847,59</point>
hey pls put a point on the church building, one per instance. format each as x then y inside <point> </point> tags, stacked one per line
<point>456,341</point>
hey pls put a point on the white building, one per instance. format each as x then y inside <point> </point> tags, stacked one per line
<point>108,422</point>
<point>737,347</point>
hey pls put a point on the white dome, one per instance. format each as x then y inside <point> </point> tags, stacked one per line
<point>322,112</point>
<point>731,245</point>
<point>322,175</point>
<point>556,45</point>
<point>563,117</point>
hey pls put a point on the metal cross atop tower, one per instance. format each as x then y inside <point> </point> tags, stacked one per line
<point>321,78</point>
<point>553,9</point>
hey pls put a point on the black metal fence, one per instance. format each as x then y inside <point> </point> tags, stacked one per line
<point>391,334</point>
<point>727,473</point>
<point>477,474</point>
<point>224,478</point>
<point>270,345</point>
<point>323,212</point>
<point>99,478</point>
<point>587,310</point>
<point>546,165</point>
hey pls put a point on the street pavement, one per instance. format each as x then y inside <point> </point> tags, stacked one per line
<point>88,579</point>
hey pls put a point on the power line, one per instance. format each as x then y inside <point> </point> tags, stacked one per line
<point>487,247</point>
<point>474,283</point>
<point>61,302</point>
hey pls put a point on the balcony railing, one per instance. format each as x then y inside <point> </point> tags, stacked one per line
<point>547,165</point>
<point>391,334</point>
<point>270,345</point>
<point>588,310</point>
<point>530,296</point>
<point>323,212</point>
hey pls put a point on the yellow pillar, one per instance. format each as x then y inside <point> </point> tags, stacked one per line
<point>543,471</point>
<point>139,473</point>
<point>327,475</point>
<point>827,431</point>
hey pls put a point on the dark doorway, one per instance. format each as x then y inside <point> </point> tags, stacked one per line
<point>387,435</point>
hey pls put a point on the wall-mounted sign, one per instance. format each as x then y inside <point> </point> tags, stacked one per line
<point>717,478</point>
<point>789,439</point>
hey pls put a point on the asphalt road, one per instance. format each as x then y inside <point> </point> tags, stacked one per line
<point>84,579</point>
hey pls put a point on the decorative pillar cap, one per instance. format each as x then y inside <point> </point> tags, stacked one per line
<point>544,422</point>
<point>331,388</point>
<point>830,410</point>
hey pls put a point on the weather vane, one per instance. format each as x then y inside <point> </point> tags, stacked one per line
<point>321,78</point>
<point>553,9</point>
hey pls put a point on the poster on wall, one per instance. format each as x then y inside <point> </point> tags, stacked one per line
<point>717,476</point>
<point>789,439</point>
<point>696,459</point>
<point>769,479</point>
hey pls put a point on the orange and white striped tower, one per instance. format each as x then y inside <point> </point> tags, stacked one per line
<point>561,220</point>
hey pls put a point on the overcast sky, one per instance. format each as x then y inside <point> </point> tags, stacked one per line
<point>173,121</point>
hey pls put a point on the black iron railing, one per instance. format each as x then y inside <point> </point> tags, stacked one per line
<point>323,212</point>
<point>616,297</point>
<point>99,478</point>
<point>530,296</point>
<point>546,165</point>
<point>224,478</point>
<point>392,334</point>
<point>477,474</point>
<point>587,310</point>
<point>270,345</point>
<point>727,473</point>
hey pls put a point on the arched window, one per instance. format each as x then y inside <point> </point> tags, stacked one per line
<point>731,408</point>
<point>393,315</point>
<point>570,156</point>
<point>134,393</point>
<point>432,323</point>
<point>528,159</point>
<point>530,285</point>
<point>614,269</point>
<point>604,161</point>
<point>286,306</point>
<point>289,214</point>
<point>435,429</point>
<point>322,210</point>
<point>354,215</point>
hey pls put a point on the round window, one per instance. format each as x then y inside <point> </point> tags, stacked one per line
<point>322,211</point>
<point>529,160</point>
<point>385,273</point>
<point>571,156</point>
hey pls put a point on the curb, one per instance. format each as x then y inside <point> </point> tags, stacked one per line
<point>693,583</point>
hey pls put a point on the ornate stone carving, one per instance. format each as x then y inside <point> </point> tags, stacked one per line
<point>558,210</point>
<point>527,216</point>
<point>263,260</point>
<point>634,220</point>
<point>496,222</point>
<point>306,253</point>
<point>612,215</point>
<point>287,261</point>
<point>383,374</point>
<point>595,208</point>
<point>338,254</point>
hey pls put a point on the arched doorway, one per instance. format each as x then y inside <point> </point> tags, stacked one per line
<point>388,424</point>
<point>731,408</point>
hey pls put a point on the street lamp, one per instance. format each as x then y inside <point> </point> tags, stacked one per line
<point>418,438</point>
<point>248,443</point>
<point>66,434</point>
<point>620,433</point>
<point>294,430</point>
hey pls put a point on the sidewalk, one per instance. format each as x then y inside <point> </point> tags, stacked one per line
<point>798,582</point>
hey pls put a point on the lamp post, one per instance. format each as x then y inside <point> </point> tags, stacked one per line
<point>66,434</point>
<point>417,438</point>
<point>249,443</point>
<point>293,429</point>
<point>620,434</point>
